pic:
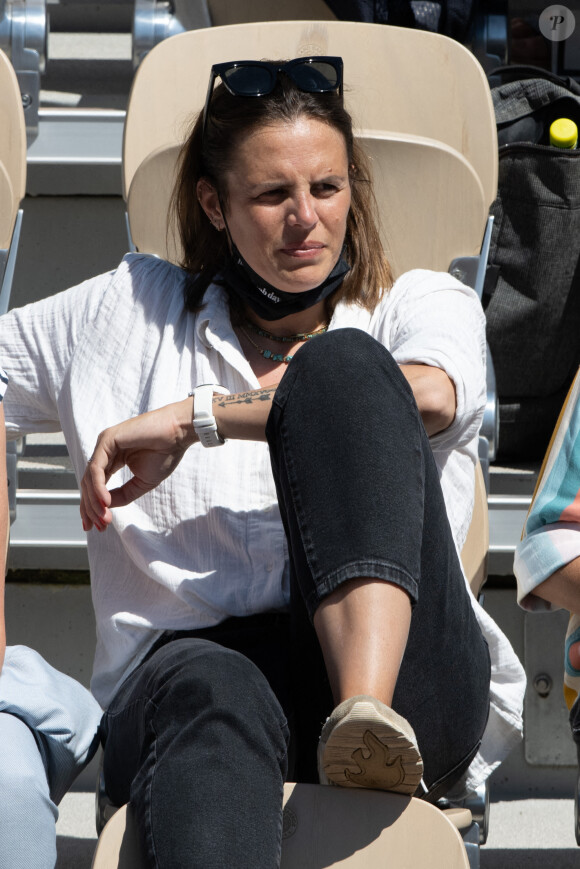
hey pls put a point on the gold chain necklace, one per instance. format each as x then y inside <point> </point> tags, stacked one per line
<point>285,339</point>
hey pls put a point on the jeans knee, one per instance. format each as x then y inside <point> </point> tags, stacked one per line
<point>346,377</point>
<point>341,349</point>
<point>204,675</point>
<point>345,365</point>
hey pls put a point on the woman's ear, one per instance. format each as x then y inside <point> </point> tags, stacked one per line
<point>209,201</point>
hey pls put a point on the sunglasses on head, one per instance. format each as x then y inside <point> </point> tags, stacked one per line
<point>257,78</point>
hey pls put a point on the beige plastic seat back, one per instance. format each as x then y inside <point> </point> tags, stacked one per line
<point>474,554</point>
<point>430,200</point>
<point>326,826</point>
<point>7,209</point>
<point>12,151</point>
<point>398,80</point>
<point>148,205</point>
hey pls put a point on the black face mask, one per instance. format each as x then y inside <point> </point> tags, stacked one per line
<point>266,300</point>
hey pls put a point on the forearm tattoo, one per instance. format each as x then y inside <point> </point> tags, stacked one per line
<point>265,394</point>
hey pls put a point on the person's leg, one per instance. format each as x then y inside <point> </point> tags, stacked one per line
<point>48,732</point>
<point>27,813</point>
<point>355,659</point>
<point>61,713</point>
<point>361,500</point>
<point>197,741</point>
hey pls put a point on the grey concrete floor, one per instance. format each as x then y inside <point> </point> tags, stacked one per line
<point>75,829</point>
<point>536,834</point>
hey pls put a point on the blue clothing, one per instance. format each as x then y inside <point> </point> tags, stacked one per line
<point>48,733</point>
<point>551,537</point>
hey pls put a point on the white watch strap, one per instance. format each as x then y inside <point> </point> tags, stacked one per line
<point>203,419</point>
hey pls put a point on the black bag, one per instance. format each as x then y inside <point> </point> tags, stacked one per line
<point>532,290</point>
<point>453,18</point>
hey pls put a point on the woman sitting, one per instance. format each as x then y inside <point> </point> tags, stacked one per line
<point>295,489</point>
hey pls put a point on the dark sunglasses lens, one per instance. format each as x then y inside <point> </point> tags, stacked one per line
<point>249,81</point>
<point>317,77</point>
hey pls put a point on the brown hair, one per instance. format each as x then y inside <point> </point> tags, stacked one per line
<point>229,119</point>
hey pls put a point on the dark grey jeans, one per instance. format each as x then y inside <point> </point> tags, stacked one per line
<point>197,735</point>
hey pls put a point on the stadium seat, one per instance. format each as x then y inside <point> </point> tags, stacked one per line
<point>12,174</point>
<point>329,826</point>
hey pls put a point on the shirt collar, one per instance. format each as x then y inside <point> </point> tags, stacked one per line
<point>213,321</point>
<point>214,331</point>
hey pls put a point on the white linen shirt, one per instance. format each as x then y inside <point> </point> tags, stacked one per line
<point>208,543</point>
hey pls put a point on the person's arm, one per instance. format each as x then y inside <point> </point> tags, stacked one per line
<point>4,527</point>
<point>434,393</point>
<point>153,444</point>
<point>562,588</point>
<point>435,329</point>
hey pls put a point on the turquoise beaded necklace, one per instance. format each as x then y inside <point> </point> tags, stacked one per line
<point>269,354</point>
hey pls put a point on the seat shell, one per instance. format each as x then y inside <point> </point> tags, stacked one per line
<point>397,80</point>
<point>12,151</point>
<point>407,169</point>
<point>330,826</point>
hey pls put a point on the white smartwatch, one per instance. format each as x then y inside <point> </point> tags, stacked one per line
<point>203,419</point>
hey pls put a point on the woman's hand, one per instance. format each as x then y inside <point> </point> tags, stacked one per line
<point>150,445</point>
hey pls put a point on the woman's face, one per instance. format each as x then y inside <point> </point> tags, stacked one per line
<point>288,201</point>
